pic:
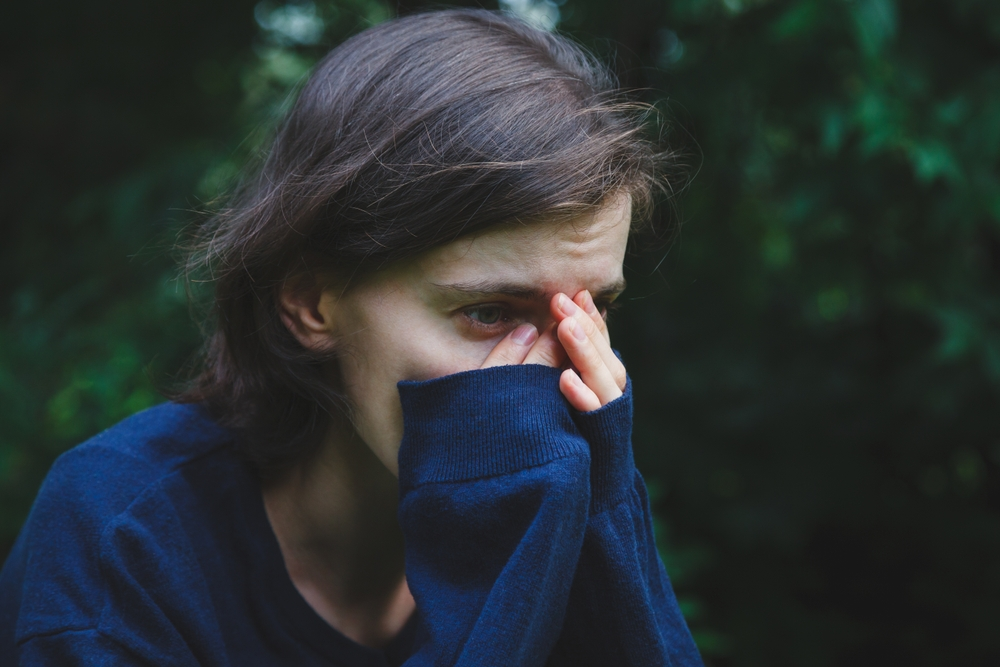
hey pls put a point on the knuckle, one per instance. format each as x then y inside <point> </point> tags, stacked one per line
<point>505,360</point>
<point>501,356</point>
<point>549,357</point>
<point>588,324</point>
<point>545,357</point>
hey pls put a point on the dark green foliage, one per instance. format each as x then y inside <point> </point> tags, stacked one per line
<point>816,357</point>
<point>820,351</point>
<point>104,132</point>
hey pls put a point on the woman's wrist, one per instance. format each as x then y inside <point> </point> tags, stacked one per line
<point>608,430</point>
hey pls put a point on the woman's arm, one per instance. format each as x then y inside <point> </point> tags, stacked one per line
<point>514,538</point>
<point>494,483</point>
<point>622,609</point>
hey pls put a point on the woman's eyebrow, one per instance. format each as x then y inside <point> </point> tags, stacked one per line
<point>487,288</point>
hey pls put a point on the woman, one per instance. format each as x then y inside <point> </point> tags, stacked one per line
<point>409,442</point>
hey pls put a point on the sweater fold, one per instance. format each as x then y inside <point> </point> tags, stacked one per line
<point>484,423</point>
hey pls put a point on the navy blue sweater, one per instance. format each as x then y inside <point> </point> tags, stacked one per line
<point>528,542</point>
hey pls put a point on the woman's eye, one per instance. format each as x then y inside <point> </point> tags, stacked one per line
<point>486,314</point>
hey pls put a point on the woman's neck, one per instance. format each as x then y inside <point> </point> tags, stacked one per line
<point>335,520</point>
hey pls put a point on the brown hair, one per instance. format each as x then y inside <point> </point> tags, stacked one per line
<point>407,136</point>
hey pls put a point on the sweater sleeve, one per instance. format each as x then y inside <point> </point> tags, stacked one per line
<point>494,497</point>
<point>622,609</point>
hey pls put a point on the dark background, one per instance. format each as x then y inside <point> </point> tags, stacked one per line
<point>816,357</point>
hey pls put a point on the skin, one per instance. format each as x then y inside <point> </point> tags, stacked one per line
<point>514,294</point>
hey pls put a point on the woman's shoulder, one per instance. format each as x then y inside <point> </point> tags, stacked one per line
<point>169,433</point>
<point>108,471</point>
<point>95,481</point>
<point>113,517</point>
<point>123,481</point>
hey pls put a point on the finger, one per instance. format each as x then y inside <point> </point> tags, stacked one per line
<point>547,350</point>
<point>585,357</point>
<point>586,302</point>
<point>513,348</point>
<point>571,309</point>
<point>579,395</point>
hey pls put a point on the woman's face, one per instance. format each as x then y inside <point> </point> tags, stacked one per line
<point>444,311</point>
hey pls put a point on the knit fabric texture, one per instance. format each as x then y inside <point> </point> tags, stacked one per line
<point>527,531</point>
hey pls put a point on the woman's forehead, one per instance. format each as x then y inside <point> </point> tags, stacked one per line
<point>583,253</point>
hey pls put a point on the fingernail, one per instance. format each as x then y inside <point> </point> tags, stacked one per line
<point>526,334</point>
<point>577,331</point>
<point>565,305</point>
<point>588,303</point>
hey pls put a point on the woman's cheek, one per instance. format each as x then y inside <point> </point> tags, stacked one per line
<point>450,356</point>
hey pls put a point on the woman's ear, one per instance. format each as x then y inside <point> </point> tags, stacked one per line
<point>308,312</point>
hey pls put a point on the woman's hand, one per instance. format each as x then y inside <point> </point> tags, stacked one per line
<point>579,336</point>
<point>523,345</point>
<point>584,335</point>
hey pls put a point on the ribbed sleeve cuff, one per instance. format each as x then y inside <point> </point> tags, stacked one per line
<point>484,423</point>
<point>612,466</point>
